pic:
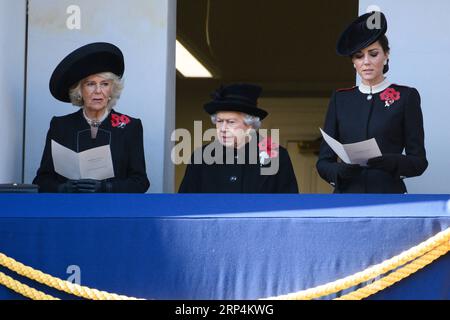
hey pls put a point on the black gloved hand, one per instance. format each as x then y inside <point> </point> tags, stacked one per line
<point>89,186</point>
<point>93,186</point>
<point>387,162</point>
<point>69,186</point>
<point>348,171</point>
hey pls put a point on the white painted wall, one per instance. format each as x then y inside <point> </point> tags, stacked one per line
<point>418,32</point>
<point>145,32</point>
<point>12,73</point>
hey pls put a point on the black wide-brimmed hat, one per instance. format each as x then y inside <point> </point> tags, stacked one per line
<point>90,59</point>
<point>361,33</point>
<point>239,97</point>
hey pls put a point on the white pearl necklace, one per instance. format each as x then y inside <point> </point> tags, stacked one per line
<point>95,123</point>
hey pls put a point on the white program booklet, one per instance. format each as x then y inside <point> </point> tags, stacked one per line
<point>354,153</point>
<point>95,163</point>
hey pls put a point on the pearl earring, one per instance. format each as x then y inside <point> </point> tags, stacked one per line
<point>385,62</point>
<point>354,66</point>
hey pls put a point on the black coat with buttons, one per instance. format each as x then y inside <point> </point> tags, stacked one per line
<point>125,137</point>
<point>397,127</point>
<point>237,177</point>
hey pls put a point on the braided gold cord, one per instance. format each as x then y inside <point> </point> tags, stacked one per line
<point>410,262</point>
<point>369,273</point>
<point>23,289</point>
<point>398,275</point>
<point>56,283</point>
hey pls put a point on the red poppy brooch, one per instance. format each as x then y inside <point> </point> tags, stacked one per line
<point>119,121</point>
<point>267,150</point>
<point>389,96</point>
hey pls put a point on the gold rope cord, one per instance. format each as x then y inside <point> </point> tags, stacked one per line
<point>371,272</point>
<point>23,289</point>
<point>410,262</point>
<point>398,275</point>
<point>56,283</point>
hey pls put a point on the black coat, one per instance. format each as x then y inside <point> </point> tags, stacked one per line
<point>127,150</point>
<point>239,178</point>
<point>352,118</point>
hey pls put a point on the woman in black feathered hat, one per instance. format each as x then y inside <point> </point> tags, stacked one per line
<point>377,108</point>
<point>91,78</point>
<point>239,160</point>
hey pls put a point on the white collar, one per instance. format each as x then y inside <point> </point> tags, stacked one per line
<point>374,89</point>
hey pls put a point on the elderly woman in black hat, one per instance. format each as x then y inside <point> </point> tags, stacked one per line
<point>91,78</point>
<point>377,108</point>
<point>239,154</point>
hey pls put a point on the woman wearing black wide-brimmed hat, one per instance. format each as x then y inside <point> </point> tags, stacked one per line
<point>377,108</point>
<point>239,154</point>
<point>91,78</point>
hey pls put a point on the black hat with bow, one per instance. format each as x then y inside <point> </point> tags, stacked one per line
<point>90,59</point>
<point>361,33</point>
<point>239,97</point>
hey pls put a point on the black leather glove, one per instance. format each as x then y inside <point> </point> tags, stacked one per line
<point>70,186</point>
<point>93,186</point>
<point>348,171</point>
<point>89,186</point>
<point>387,162</point>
